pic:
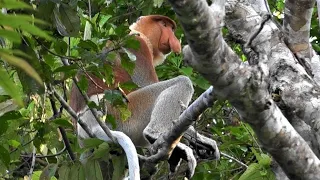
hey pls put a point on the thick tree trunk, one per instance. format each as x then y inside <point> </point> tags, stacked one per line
<point>276,93</point>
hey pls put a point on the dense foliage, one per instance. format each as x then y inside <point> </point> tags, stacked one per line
<point>37,36</point>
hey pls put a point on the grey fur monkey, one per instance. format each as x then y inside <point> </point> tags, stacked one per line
<point>154,106</point>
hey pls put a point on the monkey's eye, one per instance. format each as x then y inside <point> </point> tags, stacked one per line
<point>139,18</point>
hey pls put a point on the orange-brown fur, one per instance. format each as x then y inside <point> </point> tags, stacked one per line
<point>154,42</point>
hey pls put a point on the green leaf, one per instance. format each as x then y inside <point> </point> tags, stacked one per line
<point>34,30</point>
<point>130,86</point>
<point>12,115</point>
<point>92,142</point>
<point>127,61</point>
<point>125,113</point>
<point>157,3</point>
<point>25,23</point>
<point>102,152</point>
<point>63,122</point>
<point>115,97</point>
<point>14,4</point>
<point>22,64</point>
<point>4,127</point>
<point>10,35</point>
<point>4,156</point>
<point>88,44</point>
<point>252,172</point>
<point>66,68</point>
<point>119,162</point>
<point>83,84</point>
<point>87,31</point>
<point>110,119</point>
<point>201,82</point>
<point>9,87</point>
<point>132,43</point>
<point>93,170</point>
<point>103,20</point>
<point>77,172</point>
<point>60,47</point>
<point>186,71</point>
<point>18,20</point>
<point>64,171</point>
<point>14,143</point>
<point>48,172</point>
<point>67,20</point>
<point>265,160</point>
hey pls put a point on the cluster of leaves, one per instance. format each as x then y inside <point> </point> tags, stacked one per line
<point>36,37</point>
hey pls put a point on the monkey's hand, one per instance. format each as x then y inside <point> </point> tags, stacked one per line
<point>205,147</point>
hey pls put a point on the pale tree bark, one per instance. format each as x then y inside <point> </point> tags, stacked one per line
<point>276,93</point>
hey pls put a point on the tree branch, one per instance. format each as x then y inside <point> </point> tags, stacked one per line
<point>246,87</point>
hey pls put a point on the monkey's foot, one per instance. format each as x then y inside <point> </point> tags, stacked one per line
<point>204,147</point>
<point>184,152</point>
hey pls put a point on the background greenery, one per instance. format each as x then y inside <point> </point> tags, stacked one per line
<point>35,36</point>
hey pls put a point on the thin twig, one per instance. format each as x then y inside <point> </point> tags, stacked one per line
<point>234,159</point>
<point>95,113</point>
<point>71,111</point>
<point>93,110</point>
<point>65,139</point>
<point>46,156</point>
<point>32,163</point>
<point>67,143</point>
<point>55,54</point>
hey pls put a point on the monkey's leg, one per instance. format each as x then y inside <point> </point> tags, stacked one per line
<point>167,106</point>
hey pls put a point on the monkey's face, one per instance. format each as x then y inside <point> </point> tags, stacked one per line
<point>160,32</point>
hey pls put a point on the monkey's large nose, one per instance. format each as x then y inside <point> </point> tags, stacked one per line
<point>175,45</point>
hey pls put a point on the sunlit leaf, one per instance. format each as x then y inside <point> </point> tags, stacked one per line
<point>14,4</point>
<point>10,35</point>
<point>91,143</point>
<point>22,64</point>
<point>87,31</point>
<point>9,87</point>
<point>157,3</point>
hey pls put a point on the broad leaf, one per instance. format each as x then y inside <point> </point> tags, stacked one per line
<point>77,172</point>
<point>22,64</point>
<point>63,172</point>
<point>93,170</point>
<point>14,4</point>
<point>4,156</point>
<point>67,20</point>
<point>9,87</point>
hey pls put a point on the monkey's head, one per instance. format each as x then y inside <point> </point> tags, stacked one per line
<point>159,31</point>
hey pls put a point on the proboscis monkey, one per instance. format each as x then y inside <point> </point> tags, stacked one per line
<point>154,105</point>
